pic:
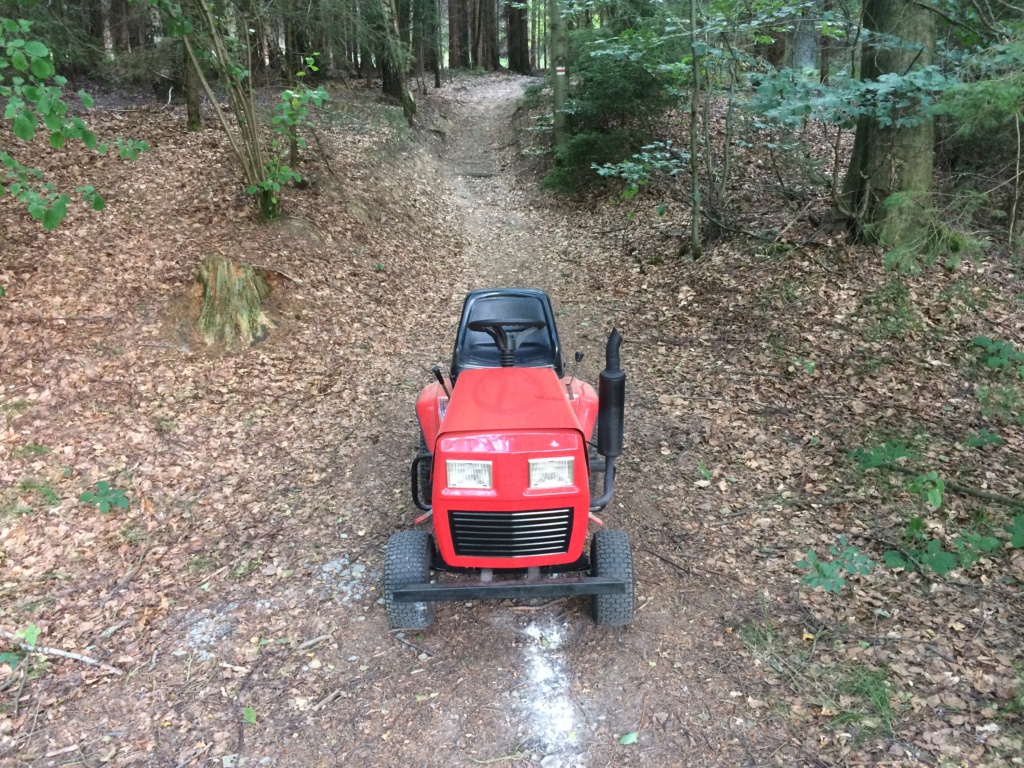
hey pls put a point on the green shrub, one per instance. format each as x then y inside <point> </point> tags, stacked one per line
<point>620,93</point>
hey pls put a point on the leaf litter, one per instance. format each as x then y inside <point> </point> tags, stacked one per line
<point>752,372</point>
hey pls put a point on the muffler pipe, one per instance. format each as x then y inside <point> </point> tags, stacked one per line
<point>611,401</point>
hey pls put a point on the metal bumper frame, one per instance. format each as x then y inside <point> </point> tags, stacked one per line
<point>510,589</point>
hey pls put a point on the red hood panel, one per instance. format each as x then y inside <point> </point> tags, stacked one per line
<point>499,399</point>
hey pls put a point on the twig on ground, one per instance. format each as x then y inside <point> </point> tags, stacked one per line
<point>46,651</point>
<point>323,153</point>
<point>540,607</point>
<point>515,756</point>
<point>196,753</point>
<point>126,579</point>
<point>643,713</point>
<point>977,493</point>
<point>314,641</point>
<point>687,569</point>
<point>415,647</point>
<point>210,578</point>
<point>327,699</point>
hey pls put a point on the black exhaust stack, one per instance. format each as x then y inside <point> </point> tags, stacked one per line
<point>612,401</point>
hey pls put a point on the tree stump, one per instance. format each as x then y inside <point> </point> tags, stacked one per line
<point>233,296</point>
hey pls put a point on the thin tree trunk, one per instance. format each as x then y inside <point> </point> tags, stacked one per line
<point>695,243</point>
<point>560,75</point>
<point>826,44</point>
<point>194,119</point>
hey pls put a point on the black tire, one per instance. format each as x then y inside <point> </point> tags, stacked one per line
<point>408,562</point>
<point>611,555</point>
<point>426,480</point>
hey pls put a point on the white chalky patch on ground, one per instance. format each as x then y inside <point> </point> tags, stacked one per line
<point>551,714</point>
<point>206,629</point>
<point>350,581</point>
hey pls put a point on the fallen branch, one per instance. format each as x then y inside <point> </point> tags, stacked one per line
<point>126,579</point>
<point>977,493</point>
<point>58,652</point>
<point>415,647</point>
<point>327,700</point>
<point>314,641</point>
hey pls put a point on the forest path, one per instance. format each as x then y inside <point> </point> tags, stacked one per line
<point>545,685</point>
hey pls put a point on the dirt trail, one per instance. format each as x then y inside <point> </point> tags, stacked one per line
<point>491,683</point>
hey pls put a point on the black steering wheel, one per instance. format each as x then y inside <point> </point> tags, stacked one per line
<point>507,334</point>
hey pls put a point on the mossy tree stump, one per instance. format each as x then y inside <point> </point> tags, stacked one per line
<point>233,296</point>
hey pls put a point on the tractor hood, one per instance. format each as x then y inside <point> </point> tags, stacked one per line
<point>506,399</point>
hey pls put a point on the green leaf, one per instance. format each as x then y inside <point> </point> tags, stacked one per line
<point>19,61</point>
<point>1016,532</point>
<point>29,634</point>
<point>55,214</point>
<point>56,139</point>
<point>249,714</point>
<point>35,48</point>
<point>894,559</point>
<point>629,738</point>
<point>87,101</point>
<point>42,68</point>
<point>10,658</point>
<point>25,125</point>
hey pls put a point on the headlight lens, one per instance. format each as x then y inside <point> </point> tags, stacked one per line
<point>551,473</point>
<point>469,474</point>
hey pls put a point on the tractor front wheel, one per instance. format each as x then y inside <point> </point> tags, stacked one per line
<point>407,561</point>
<point>611,555</point>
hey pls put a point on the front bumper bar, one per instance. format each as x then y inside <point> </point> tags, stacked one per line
<point>512,589</point>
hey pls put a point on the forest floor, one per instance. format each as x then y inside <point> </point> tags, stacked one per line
<point>237,599</point>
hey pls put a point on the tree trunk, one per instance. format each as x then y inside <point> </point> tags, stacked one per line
<point>383,18</point>
<point>560,63</point>
<point>485,36</point>
<point>458,34</point>
<point>518,34</point>
<point>890,159</point>
<point>119,25</point>
<point>233,295</point>
<point>826,44</point>
<point>695,239</point>
<point>194,120</point>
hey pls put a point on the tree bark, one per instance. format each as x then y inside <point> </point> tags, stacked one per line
<point>890,158</point>
<point>458,34</point>
<point>560,65</point>
<point>518,34</point>
<point>826,44</point>
<point>194,120</point>
<point>485,35</point>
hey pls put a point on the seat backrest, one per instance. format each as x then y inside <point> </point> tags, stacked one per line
<point>476,349</point>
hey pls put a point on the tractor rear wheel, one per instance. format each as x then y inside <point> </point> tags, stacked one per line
<point>407,561</point>
<point>611,555</point>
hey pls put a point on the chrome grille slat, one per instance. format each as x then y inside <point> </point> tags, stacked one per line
<point>510,534</point>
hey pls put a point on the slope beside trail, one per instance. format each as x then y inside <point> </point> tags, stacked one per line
<point>240,593</point>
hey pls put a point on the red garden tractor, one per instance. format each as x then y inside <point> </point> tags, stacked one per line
<point>505,471</point>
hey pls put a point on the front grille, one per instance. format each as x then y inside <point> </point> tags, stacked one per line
<point>510,534</point>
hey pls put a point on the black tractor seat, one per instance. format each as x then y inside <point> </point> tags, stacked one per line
<point>477,349</point>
